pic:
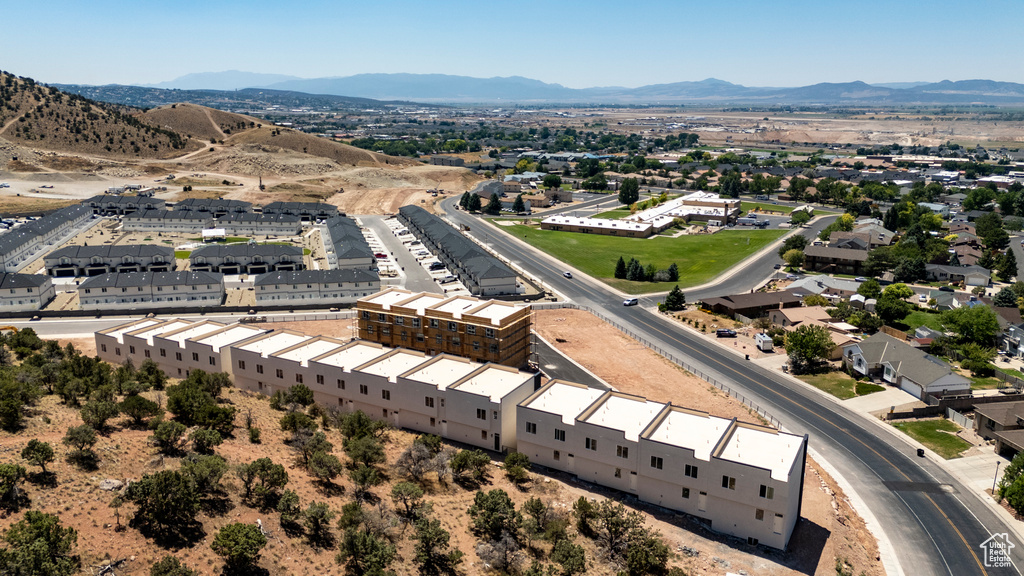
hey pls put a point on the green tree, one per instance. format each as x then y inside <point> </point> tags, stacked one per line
<point>464,201</point>
<point>675,300</point>
<point>317,521</point>
<point>1005,298</point>
<point>38,453</point>
<point>519,206</point>
<point>474,203</point>
<point>271,477</point>
<point>731,185</point>
<point>168,436</point>
<point>646,553</point>
<point>324,467</point>
<point>809,348</point>
<point>977,324</point>
<point>37,545</point>
<point>552,181</point>
<point>365,554</point>
<point>358,425</point>
<point>432,548</point>
<point>795,242</point>
<point>295,421</point>
<point>366,450</point>
<point>1007,266</point>
<point>493,513</point>
<point>620,268</point>
<point>571,557</point>
<point>204,440</point>
<point>168,501</point>
<point>408,496</point>
<point>870,288</point>
<point>300,394</point>
<point>289,508</point>
<point>96,413</point>
<point>11,477</point>
<point>614,524</point>
<point>800,218</point>
<point>471,462</point>
<point>585,513</point>
<point>81,439</point>
<point>138,408</point>
<point>364,477</point>
<point>205,471</point>
<point>240,545</point>
<point>794,258</point>
<point>629,191</point>
<point>517,466</point>
<point>673,272</point>
<point>171,566</point>
<point>494,205</point>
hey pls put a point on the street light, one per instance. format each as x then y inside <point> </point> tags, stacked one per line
<point>994,478</point>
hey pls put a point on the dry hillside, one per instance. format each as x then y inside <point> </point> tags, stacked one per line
<point>199,121</point>
<point>299,142</point>
<point>48,119</point>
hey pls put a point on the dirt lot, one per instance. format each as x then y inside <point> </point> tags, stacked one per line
<point>829,530</point>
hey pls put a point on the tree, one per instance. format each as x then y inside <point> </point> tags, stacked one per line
<point>289,508</point>
<point>464,201</point>
<point>364,477</point>
<point>186,399</point>
<point>675,300</point>
<point>614,524</point>
<point>317,520</point>
<point>324,467</point>
<point>977,324</point>
<point>596,182</point>
<point>646,553</point>
<point>366,450</point>
<point>585,513</point>
<point>365,554</point>
<point>205,471</point>
<point>300,394</point>
<point>809,348</point>
<point>171,566</point>
<point>494,205</point>
<point>11,476</point>
<point>1005,298</point>
<point>358,425</point>
<point>518,206</point>
<point>870,288</point>
<point>552,181</point>
<point>96,413</point>
<point>794,258</point>
<point>168,435</point>
<point>271,477</point>
<point>295,421</point>
<point>620,268</point>
<point>432,544</point>
<point>138,408</point>
<point>473,462</point>
<point>629,191</point>
<point>416,461</point>
<point>800,218</point>
<point>517,466</point>
<point>1007,266</point>
<point>204,440</point>
<point>82,439</point>
<point>673,272</point>
<point>168,501</point>
<point>909,269</point>
<point>795,242</point>
<point>731,184</point>
<point>240,545</point>
<point>37,545</point>
<point>38,453</point>
<point>474,203</point>
<point>570,556</point>
<point>494,513</point>
<point>408,496</point>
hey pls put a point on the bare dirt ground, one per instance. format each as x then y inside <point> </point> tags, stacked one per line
<point>829,530</point>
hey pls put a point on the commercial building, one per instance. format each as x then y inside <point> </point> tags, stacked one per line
<point>447,161</point>
<point>480,272</point>
<point>741,479</point>
<point>245,258</point>
<point>483,330</point>
<point>24,292</point>
<point>216,206</point>
<point>21,244</point>
<point>320,286</point>
<point>563,223</point>
<point>142,290</point>
<point>345,244</point>
<point>306,211</point>
<point>184,221</point>
<point>250,224</point>
<point>96,260</point>
<point>109,204</point>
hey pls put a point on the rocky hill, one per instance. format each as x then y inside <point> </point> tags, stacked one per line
<point>45,118</point>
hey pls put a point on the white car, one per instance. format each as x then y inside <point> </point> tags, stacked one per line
<point>630,302</point>
<point>6,185</point>
<point>922,298</point>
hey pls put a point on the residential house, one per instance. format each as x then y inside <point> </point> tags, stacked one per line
<point>216,206</point>
<point>251,224</point>
<point>306,211</point>
<point>834,260</point>
<point>825,285</point>
<point>904,366</point>
<point>345,245</point>
<point>108,204</point>
<point>753,305</point>
<point>95,260</point>
<point>182,221</point>
<point>141,290</point>
<point>969,275</point>
<point>24,292</point>
<point>23,243</point>
<point>246,258</point>
<point>327,287</point>
<point>1002,422</point>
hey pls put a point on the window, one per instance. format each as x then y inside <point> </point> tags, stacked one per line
<point>690,471</point>
<point>488,332</point>
<point>195,356</point>
<point>146,353</point>
<point>177,356</point>
<point>341,384</point>
<point>481,414</point>
<point>557,455</point>
<point>686,492</point>
<point>476,346</point>
<point>259,368</point>
<point>531,427</point>
<point>429,402</point>
<point>131,349</point>
<point>751,541</point>
<point>385,394</point>
<point>433,323</point>
<point>419,337</point>
<point>591,444</point>
<point>438,339</point>
<point>493,348</point>
<point>767,492</point>
<point>657,462</point>
<point>103,347</point>
<point>382,317</point>
<point>471,330</point>
<point>415,322</point>
<point>213,361</point>
<point>618,472</point>
<point>483,434</point>
<point>163,352</point>
<point>366,315</point>
<point>399,320</point>
<point>495,416</point>
<point>363,389</point>
<point>559,435</point>
<point>385,330</point>
<point>298,378</point>
<point>728,482</point>
<point>432,422</point>
<point>320,379</point>
<point>758,514</point>
<point>622,451</point>
<point>453,327</point>
<point>241,364</point>
<point>280,373</point>
<point>369,329</point>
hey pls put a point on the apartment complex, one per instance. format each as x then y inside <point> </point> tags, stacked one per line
<point>345,245</point>
<point>321,286</point>
<point>250,224</point>
<point>21,244</point>
<point>167,221</point>
<point>216,206</point>
<point>141,290</point>
<point>24,292</point>
<point>111,204</point>
<point>307,211</point>
<point>483,330</point>
<point>245,258</point>
<point>96,260</point>
<point>741,479</point>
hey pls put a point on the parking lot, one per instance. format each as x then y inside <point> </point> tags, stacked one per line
<point>447,283</point>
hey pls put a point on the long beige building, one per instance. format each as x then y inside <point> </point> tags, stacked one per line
<point>741,479</point>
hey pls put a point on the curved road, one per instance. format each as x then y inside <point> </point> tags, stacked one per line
<point>935,524</point>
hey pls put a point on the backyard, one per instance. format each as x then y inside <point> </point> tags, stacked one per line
<point>841,385</point>
<point>700,258</point>
<point>939,435</point>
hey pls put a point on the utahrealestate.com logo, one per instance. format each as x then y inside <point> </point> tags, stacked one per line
<point>997,550</point>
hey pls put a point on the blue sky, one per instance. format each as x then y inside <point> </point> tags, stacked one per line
<point>577,44</point>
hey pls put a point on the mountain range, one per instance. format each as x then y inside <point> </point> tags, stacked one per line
<point>516,89</point>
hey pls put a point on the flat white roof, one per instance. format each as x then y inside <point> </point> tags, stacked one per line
<point>120,331</point>
<point>775,452</point>
<point>310,349</point>
<point>395,364</point>
<point>276,341</point>
<point>386,299</point>
<point>442,372</point>
<point>168,326</point>
<point>697,432</point>
<point>235,333</point>
<point>565,400</point>
<point>196,330</point>
<point>495,311</point>
<point>630,415</point>
<point>493,382</point>
<point>354,355</point>
<point>422,301</point>
<point>456,306</point>
<point>601,223</point>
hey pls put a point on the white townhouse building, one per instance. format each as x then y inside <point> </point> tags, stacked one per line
<point>142,290</point>
<point>321,286</point>
<point>167,221</point>
<point>24,292</point>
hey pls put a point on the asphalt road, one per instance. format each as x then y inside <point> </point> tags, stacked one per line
<point>935,524</point>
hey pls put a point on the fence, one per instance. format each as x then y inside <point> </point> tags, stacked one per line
<point>960,419</point>
<point>669,356</point>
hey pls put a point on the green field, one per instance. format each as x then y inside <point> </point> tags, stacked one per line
<point>938,435</point>
<point>182,254</point>
<point>841,385</point>
<point>700,258</point>
<point>765,206</point>
<point>920,318</point>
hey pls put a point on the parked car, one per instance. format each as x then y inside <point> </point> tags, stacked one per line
<point>567,274</point>
<point>725,333</point>
<point>778,266</point>
<point>861,279</point>
<point>922,298</point>
<point>946,289</point>
<point>630,302</point>
<point>380,255</point>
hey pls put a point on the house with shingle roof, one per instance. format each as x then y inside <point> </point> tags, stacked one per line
<point>908,368</point>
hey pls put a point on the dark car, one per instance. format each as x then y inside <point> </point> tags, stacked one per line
<point>778,266</point>
<point>725,333</point>
<point>946,289</point>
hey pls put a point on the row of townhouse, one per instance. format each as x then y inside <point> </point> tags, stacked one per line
<point>111,204</point>
<point>322,286</point>
<point>24,292</point>
<point>306,211</point>
<point>480,272</point>
<point>96,260</point>
<point>21,244</point>
<point>181,221</point>
<point>144,290</point>
<point>246,258</point>
<point>484,330</point>
<point>216,206</point>
<point>741,479</point>
<point>345,245</point>
<point>195,221</point>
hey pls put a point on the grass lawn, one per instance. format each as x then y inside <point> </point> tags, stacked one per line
<point>841,385</point>
<point>1012,372</point>
<point>182,254</point>
<point>938,435</point>
<point>919,318</point>
<point>700,258</point>
<point>765,207</point>
<point>612,214</point>
<point>989,383</point>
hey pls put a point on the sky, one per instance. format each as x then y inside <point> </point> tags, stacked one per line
<point>577,44</point>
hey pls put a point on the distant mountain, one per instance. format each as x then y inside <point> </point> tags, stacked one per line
<point>899,85</point>
<point>434,87</point>
<point>228,80</point>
